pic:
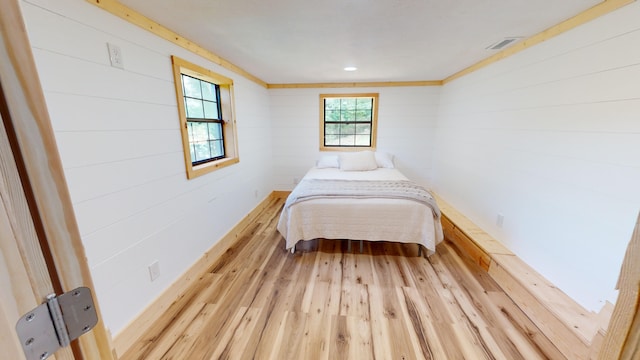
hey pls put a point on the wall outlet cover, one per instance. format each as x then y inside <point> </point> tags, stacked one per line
<point>154,270</point>
<point>115,56</point>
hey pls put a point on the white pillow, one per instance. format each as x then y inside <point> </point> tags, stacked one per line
<point>384,160</point>
<point>328,161</point>
<point>358,161</point>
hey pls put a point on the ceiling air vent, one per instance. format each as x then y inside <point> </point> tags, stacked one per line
<point>503,43</point>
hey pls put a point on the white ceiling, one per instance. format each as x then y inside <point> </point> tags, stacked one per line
<point>304,41</point>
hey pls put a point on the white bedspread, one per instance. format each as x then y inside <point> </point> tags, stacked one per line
<point>369,219</point>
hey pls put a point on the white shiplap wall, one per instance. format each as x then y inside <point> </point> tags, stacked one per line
<point>406,125</point>
<point>550,138</point>
<point>117,133</point>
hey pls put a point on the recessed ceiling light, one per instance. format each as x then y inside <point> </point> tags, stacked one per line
<point>350,68</point>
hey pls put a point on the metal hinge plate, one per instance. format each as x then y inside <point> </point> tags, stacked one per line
<point>57,322</point>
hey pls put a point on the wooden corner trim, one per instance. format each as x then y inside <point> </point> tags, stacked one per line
<point>605,7</point>
<point>355,84</point>
<point>116,8</point>
<point>622,338</point>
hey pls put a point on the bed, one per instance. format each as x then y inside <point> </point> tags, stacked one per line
<point>339,203</point>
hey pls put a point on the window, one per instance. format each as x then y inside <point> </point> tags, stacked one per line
<point>348,121</point>
<point>207,122</point>
<point>204,119</point>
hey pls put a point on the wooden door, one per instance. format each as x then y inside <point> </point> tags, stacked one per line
<point>40,247</point>
<point>24,277</point>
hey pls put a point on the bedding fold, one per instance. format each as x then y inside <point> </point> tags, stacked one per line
<point>311,189</point>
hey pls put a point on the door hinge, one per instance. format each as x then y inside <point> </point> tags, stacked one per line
<point>57,322</point>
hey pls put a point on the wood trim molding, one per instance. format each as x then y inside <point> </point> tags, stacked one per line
<point>280,194</point>
<point>571,328</point>
<point>116,8</point>
<point>592,13</point>
<point>622,340</point>
<point>228,111</point>
<point>374,121</point>
<point>138,326</point>
<point>355,84</point>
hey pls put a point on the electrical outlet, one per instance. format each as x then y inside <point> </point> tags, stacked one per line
<point>115,56</point>
<point>255,193</point>
<point>296,180</point>
<point>154,270</point>
<point>500,220</point>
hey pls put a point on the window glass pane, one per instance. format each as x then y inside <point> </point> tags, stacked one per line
<point>332,115</point>
<point>200,131</point>
<point>348,104</point>
<point>348,115</point>
<point>217,149</point>
<point>363,140</point>
<point>210,110</point>
<point>209,91</point>
<point>191,87</point>
<point>330,129</point>
<point>363,115</point>
<point>347,140</point>
<point>332,104</point>
<point>363,129</point>
<point>206,141</point>
<point>364,103</point>
<point>347,129</point>
<point>202,150</point>
<point>332,140</point>
<point>194,109</point>
<point>215,131</point>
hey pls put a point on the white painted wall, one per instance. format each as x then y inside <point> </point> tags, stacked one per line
<point>117,133</point>
<point>406,125</point>
<point>550,138</point>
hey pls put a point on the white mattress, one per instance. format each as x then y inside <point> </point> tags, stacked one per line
<point>368,219</point>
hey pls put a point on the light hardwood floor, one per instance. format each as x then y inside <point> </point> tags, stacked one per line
<point>259,301</point>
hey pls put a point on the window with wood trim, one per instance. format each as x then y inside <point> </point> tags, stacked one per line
<point>348,121</point>
<point>207,123</point>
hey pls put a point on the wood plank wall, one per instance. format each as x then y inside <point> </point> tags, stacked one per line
<point>117,132</point>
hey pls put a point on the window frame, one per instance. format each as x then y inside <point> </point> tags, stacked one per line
<point>204,119</point>
<point>227,116</point>
<point>374,122</point>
